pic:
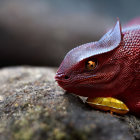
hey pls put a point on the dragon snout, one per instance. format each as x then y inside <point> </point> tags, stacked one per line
<point>61,76</point>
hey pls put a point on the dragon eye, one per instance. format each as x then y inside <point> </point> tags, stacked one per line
<point>91,64</point>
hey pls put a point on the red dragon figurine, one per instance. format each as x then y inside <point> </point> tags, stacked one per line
<point>109,67</point>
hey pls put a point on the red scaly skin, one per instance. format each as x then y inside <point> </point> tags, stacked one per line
<point>117,73</point>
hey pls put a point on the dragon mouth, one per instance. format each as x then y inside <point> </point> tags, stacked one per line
<point>91,81</point>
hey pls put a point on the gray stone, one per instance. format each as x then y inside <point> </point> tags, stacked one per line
<point>33,106</point>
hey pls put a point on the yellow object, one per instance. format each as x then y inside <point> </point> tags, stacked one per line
<point>16,104</point>
<point>108,104</point>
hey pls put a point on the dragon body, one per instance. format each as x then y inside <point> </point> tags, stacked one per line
<point>109,67</point>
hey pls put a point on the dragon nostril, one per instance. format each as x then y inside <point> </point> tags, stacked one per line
<point>66,77</point>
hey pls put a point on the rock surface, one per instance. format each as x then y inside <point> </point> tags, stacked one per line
<point>32,106</point>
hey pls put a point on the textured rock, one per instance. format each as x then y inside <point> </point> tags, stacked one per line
<point>32,106</point>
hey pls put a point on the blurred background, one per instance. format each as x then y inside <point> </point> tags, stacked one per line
<point>41,32</point>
